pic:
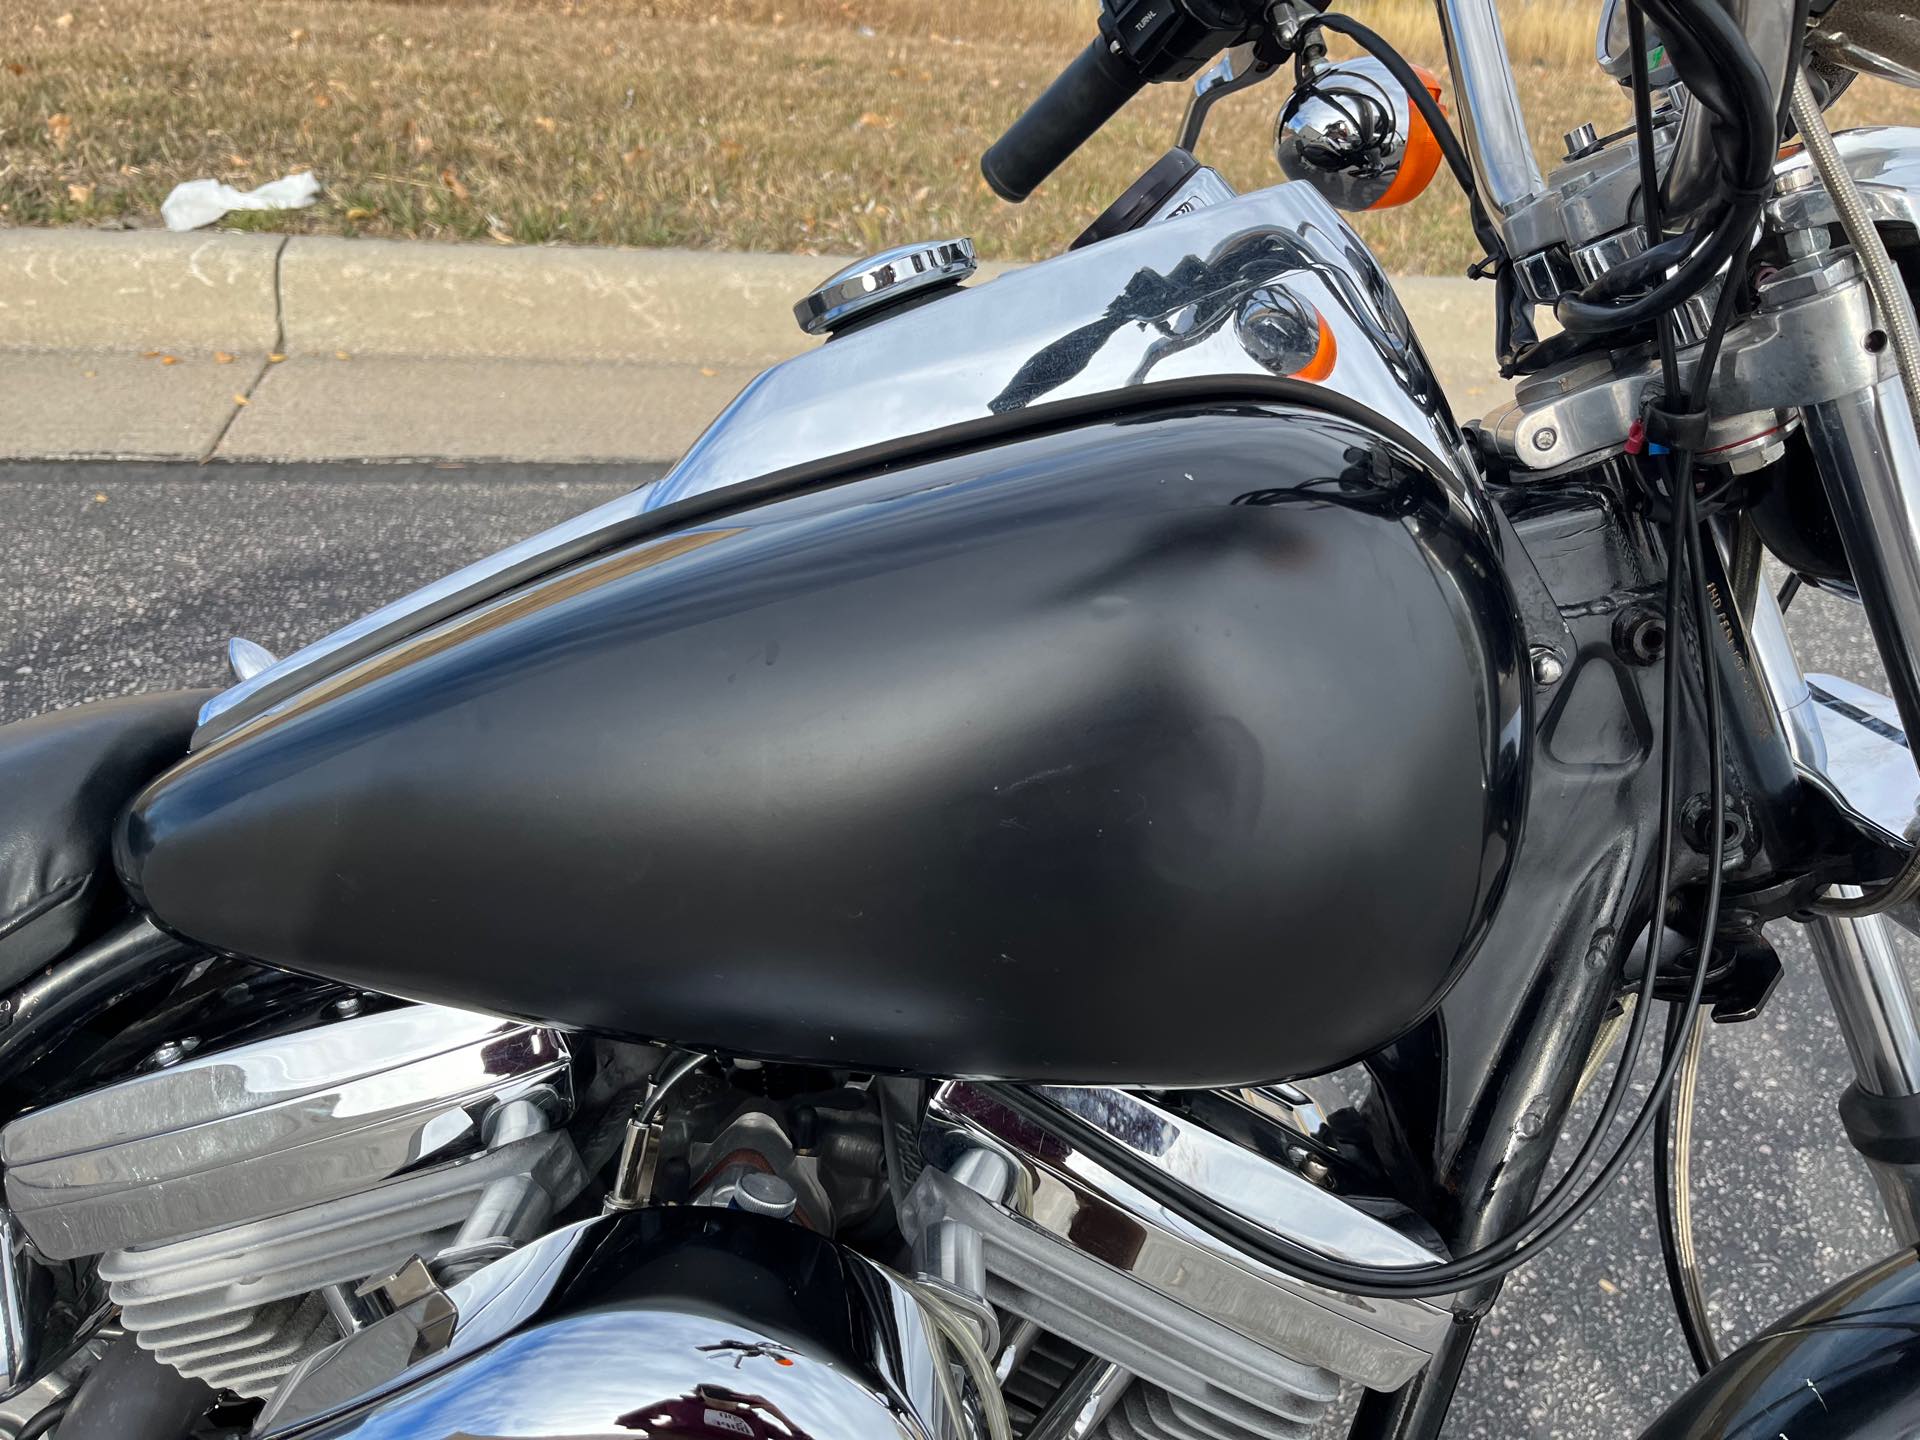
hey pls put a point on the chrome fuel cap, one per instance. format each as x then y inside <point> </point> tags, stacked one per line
<point>884,280</point>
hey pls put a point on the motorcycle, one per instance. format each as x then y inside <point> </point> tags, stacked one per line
<point>1062,873</point>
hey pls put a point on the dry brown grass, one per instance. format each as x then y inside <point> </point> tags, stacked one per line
<point>802,125</point>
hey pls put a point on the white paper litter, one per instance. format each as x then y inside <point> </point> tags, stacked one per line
<point>201,202</point>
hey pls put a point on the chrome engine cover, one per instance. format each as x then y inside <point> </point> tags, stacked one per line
<point>679,1320</point>
<point>1216,1343</point>
<point>238,1198</point>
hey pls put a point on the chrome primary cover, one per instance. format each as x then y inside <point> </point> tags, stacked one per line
<point>1180,300</point>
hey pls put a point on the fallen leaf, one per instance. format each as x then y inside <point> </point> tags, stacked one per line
<point>631,158</point>
<point>60,129</point>
<point>99,497</point>
<point>65,22</point>
<point>872,120</point>
<point>239,399</point>
<point>732,149</point>
<point>221,357</point>
<point>149,354</point>
<point>169,359</point>
<point>275,358</point>
<point>546,123</point>
<point>341,355</point>
<point>80,194</point>
<point>452,182</point>
<point>322,100</point>
<point>14,67</point>
<point>358,213</point>
<point>296,36</point>
<point>708,372</point>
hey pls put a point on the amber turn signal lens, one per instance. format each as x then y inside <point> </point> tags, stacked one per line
<point>1420,161</point>
<point>1320,366</point>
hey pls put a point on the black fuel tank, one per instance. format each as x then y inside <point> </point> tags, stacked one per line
<point>1176,749</point>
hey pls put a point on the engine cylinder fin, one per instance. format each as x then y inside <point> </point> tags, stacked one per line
<point>1146,1412</point>
<point>1048,1364</point>
<point>242,1314</point>
<point>252,1355</point>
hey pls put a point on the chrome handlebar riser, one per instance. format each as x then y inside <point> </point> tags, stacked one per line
<point>1504,168</point>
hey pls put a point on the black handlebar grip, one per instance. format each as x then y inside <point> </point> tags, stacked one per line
<point>1087,94</point>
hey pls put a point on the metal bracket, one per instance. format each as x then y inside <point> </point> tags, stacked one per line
<point>1236,69</point>
<point>412,1291</point>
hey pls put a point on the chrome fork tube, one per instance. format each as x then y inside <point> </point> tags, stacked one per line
<point>1868,989</point>
<point>1865,981</point>
<point>1869,458</point>
<point>1870,997</point>
<point>1779,672</point>
<point>1504,168</point>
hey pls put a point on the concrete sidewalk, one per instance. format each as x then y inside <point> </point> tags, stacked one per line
<point>149,345</point>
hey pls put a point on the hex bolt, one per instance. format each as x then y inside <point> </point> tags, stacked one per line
<point>1580,139</point>
<point>1640,634</point>
<point>172,1052</point>
<point>1545,438</point>
<point>346,1007</point>
<point>1548,667</point>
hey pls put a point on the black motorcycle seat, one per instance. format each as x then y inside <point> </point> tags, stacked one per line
<point>64,778</point>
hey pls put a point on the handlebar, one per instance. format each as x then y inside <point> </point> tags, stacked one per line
<point>1087,94</point>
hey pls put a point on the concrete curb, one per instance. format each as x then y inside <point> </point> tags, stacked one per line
<point>149,345</point>
<point>96,290</point>
<point>112,291</point>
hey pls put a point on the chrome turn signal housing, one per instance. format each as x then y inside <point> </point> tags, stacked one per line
<point>1354,133</point>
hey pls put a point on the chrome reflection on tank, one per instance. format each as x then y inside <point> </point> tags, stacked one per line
<point>229,1137</point>
<point>675,1321</point>
<point>1152,305</point>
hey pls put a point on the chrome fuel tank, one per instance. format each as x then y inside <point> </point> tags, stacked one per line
<point>1221,292</point>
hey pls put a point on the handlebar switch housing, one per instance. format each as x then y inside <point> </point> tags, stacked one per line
<point>1162,40</point>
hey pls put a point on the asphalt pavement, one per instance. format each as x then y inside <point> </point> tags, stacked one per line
<point>121,578</point>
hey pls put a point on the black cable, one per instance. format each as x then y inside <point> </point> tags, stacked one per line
<point>1692,1323</point>
<point>44,1419</point>
<point>1788,591</point>
<point>1450,148</point>
<point>1752,111</point>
